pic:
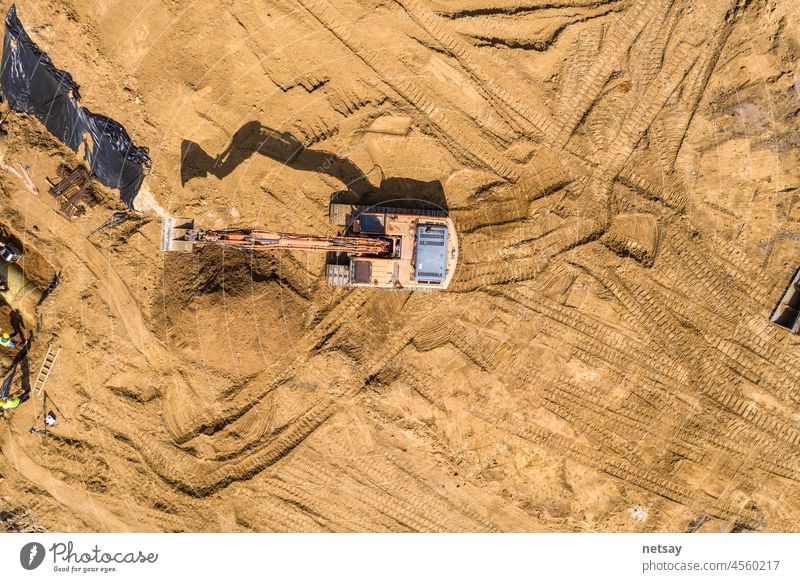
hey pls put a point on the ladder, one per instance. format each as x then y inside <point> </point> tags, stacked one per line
<point>47,366</point>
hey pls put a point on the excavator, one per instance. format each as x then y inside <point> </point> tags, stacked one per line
<point>382,248</point>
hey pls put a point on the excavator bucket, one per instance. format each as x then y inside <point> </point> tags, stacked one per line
<point>173,231</point>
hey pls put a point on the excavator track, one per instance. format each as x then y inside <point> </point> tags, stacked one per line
<point>345,214</point>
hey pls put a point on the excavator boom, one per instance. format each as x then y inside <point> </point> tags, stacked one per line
<point>177,238</point>
<point>256,239</point>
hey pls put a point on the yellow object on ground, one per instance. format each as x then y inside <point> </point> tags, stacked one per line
<point>10,403</point>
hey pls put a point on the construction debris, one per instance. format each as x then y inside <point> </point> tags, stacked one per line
<point>74,191</point>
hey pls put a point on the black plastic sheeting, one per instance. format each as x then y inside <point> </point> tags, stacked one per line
<point>32,84</point>
<point>5,387</point>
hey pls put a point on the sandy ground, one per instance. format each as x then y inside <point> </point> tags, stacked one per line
<point>625,178</point>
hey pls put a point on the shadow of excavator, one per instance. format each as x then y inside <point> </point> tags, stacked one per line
<point>255,138</point>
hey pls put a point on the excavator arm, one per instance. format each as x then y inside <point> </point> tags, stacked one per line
<point>262,239</point>
<point>180,235</point>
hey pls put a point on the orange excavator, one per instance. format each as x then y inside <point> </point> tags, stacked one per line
<point>384,248</point>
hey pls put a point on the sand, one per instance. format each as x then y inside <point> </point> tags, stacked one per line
<point>624,176</point>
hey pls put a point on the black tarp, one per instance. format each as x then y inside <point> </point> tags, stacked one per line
<point>32,84</point>
<point>5,387</point>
